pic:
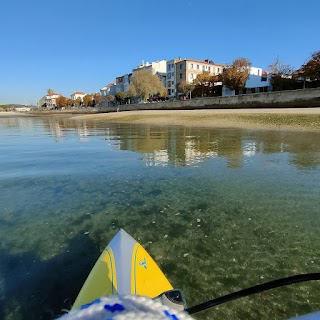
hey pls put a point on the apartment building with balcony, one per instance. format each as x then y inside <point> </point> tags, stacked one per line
<point>187,70</point>
<point>50,100</point>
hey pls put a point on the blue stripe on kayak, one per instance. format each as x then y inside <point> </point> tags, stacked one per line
<point>112,286</point>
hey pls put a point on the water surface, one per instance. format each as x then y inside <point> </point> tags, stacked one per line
<point>219,209</point>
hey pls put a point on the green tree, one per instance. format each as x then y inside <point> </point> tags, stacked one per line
<point>186,88</point>
<point>77,102</point>
<point>235,76</point>
<point>145,84</point>
<point>121,96</point>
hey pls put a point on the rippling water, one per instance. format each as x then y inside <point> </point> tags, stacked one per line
<point>219,209</point>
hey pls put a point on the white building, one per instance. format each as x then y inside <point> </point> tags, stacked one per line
<point>154,67</point>
<point>258,81</point>
<point>105,91</point>
<point>76,95</point>
<point>51,100</point>
<point>41,102</point>
<point>22,109</point>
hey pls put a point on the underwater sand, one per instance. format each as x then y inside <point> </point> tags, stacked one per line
<point>219,209</point>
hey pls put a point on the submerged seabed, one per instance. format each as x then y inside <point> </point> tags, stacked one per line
<point>220,210</point>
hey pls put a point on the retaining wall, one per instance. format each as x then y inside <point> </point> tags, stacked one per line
<point>282,99</point>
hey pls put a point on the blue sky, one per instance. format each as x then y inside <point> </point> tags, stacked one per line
<point>76,45</point>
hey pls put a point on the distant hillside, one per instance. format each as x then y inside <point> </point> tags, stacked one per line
<point>11,105</point>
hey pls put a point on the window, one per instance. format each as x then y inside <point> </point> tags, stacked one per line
<point>172,73</point>
<point>209,69</point>
<point>169,92</point>
<point>203,68</point>
<point>172,82</point>
<point>191,65</point>
<point>198,67</point>
<point>180,66</point>
<point>169,66</point>
<point>172,65</point>
<point>180,76</point>
<point>191,76</point>
<point>169,75</point>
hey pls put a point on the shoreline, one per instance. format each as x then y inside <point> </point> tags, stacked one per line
<point>302,119</point>
<point>293,119</point>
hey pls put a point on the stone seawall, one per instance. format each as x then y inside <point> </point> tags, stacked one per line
<point>283,99</point>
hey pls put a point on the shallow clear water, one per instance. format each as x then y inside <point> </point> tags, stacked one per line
<point>219,209</point>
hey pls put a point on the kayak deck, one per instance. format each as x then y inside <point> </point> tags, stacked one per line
<point>123,268</point>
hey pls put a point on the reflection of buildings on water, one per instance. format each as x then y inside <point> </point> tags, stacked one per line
<point>83,132</point>
<point>180,146</point>
<point>56,130</point>
<point>23,124</point>
<point>159,158</point>
<point>249,149</point>
<point>193,155</point>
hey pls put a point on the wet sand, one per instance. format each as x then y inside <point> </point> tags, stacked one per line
<point>281,119</point>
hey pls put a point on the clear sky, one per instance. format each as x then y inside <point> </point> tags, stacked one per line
<point>76,45</point>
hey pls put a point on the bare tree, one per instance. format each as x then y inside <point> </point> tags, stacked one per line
<point>281,75</point>
<point>280,69</point>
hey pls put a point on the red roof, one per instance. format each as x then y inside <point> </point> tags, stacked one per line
<point>78,92</point>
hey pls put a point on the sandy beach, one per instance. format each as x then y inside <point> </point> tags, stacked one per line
<point>281,119</point>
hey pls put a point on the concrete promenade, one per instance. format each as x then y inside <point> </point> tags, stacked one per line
<point>283,99</point>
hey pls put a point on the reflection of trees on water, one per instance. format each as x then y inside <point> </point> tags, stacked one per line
<point>182,146</point>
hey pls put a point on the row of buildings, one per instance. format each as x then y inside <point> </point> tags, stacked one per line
<point>173,72</point>
<point>49,100</point>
